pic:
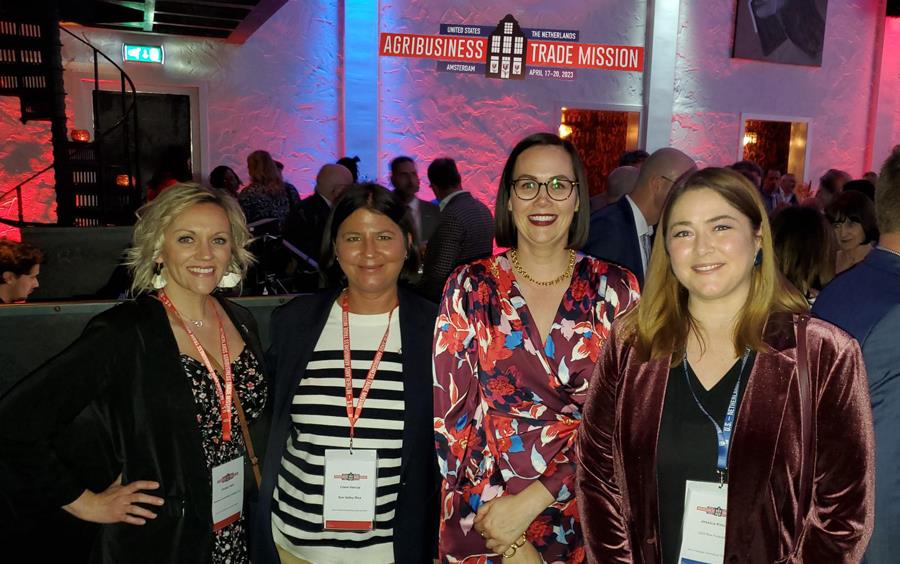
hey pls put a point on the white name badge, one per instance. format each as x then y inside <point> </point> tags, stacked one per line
<point>227,492</point>
<point>350,477</point>
<point>703,527</point>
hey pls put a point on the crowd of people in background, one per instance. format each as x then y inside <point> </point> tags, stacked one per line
<point>723,334</point>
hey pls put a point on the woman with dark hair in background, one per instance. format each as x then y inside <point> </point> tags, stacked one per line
<point>725,425</point>
<point>352,368</point>
<point>20,266</point>
<point>224,178</point>
<point>852,214</point>
<point>805,249</point>
<point>160,391</point>
<point>514,348</point>
<point>173,166</point>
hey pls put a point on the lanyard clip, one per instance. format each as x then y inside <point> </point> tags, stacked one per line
<point>723,476</point>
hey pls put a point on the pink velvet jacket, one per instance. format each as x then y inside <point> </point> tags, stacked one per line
<point>617,441</point>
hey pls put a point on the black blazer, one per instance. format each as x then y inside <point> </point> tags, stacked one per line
<point>613,237</point>
<point>117,400</point>
<point>305,227</point>
<point>296,328</point>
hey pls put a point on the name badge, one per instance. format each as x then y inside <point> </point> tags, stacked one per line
<point>227,492</point>
<point>703,527</point>
<point>350,476</point>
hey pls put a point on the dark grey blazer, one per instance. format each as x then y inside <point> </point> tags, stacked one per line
<point>296,328</point>
<point>465,233</point>
<point>429,216</point>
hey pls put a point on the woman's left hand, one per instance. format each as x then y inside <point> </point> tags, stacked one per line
<point>502,521</point>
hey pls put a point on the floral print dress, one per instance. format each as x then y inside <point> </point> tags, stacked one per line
<point>507,407</point>
<point>230,542</point>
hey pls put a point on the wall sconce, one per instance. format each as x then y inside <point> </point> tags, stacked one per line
<point>750,138</point>
<point>123,180</point>
<point>81,135</point>
<point>565,130</point>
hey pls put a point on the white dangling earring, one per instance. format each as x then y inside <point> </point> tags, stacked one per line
<point>230,280</point>
<point>158,281</point>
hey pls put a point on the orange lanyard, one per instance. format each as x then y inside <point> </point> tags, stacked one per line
<point>223,396</point>
<point>353,414</point>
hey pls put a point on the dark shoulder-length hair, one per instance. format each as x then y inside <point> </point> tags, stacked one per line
<point>377,199</point>
<point>854,206</point>
<point>505,229</point>
<point>805,247</point>
<point>662,320</point>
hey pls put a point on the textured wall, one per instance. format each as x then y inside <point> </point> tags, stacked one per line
<point>280,90</point>
<point>24,150</point>
<point>712,89</point>
<point>887,117</point>
<point>476,120</point>
<point>276,92</point>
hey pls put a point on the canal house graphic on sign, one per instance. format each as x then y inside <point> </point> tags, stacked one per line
<point>506,51</point>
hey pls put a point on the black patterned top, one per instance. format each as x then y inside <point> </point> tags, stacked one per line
<point>230,543</point>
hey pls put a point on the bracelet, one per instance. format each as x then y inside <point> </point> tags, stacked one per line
<point>511,551</point>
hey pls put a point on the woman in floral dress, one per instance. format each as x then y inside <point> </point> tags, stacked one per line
<point>516,341</point>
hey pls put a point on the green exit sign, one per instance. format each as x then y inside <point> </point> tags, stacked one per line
<point>142,53</point>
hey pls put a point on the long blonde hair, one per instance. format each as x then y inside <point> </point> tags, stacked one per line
<point>661,322</point>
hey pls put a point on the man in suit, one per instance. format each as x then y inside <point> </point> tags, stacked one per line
<point>865,302</point>
<point>464,233</point>
<point>304,227</point>
<point>621,233</point>
<point>405,180</point>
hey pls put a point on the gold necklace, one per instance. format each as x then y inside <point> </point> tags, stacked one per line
<point>514,258</point>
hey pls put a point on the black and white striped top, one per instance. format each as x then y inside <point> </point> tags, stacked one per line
<point>319,421</point>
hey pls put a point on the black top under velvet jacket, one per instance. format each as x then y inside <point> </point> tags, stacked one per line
<point>117,400</point>
<point>688,445</point>
<point>295,331</point>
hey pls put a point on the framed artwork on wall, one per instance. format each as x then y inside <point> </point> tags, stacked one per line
<point>780,31</point>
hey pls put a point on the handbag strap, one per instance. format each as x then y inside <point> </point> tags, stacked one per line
<point>248,442</point>
<point>807,407</point>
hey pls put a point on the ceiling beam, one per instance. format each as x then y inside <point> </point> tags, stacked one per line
<point>255,19</point>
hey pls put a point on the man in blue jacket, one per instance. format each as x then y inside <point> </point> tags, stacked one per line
<point>865,302</point>
<point>621,232</point>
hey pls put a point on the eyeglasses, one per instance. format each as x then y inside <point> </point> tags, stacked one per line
<point>559,188</point>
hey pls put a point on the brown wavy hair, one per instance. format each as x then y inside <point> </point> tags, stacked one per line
<point>264,172</point>
<point>661,322</point>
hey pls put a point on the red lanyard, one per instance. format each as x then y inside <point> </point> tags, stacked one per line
<point>224,397</point>
<point>353,415</point>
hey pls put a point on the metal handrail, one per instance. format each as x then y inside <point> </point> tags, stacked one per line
<point>26,181</point>
<point>132,109</point>
<point>97,78</point>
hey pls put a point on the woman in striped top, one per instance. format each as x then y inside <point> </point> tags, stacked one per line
<point>381,332</point>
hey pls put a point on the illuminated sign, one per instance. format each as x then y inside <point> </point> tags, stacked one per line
<point>509,52</point>
<point>142,53</point>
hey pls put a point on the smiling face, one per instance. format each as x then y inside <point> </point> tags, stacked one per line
<point>543,221</point>
<point>371,250</point>
<point>196,250</point>
<point>850,234</point>
<point>712,247</point>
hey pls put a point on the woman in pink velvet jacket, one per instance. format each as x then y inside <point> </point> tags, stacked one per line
<point>699,392</point>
